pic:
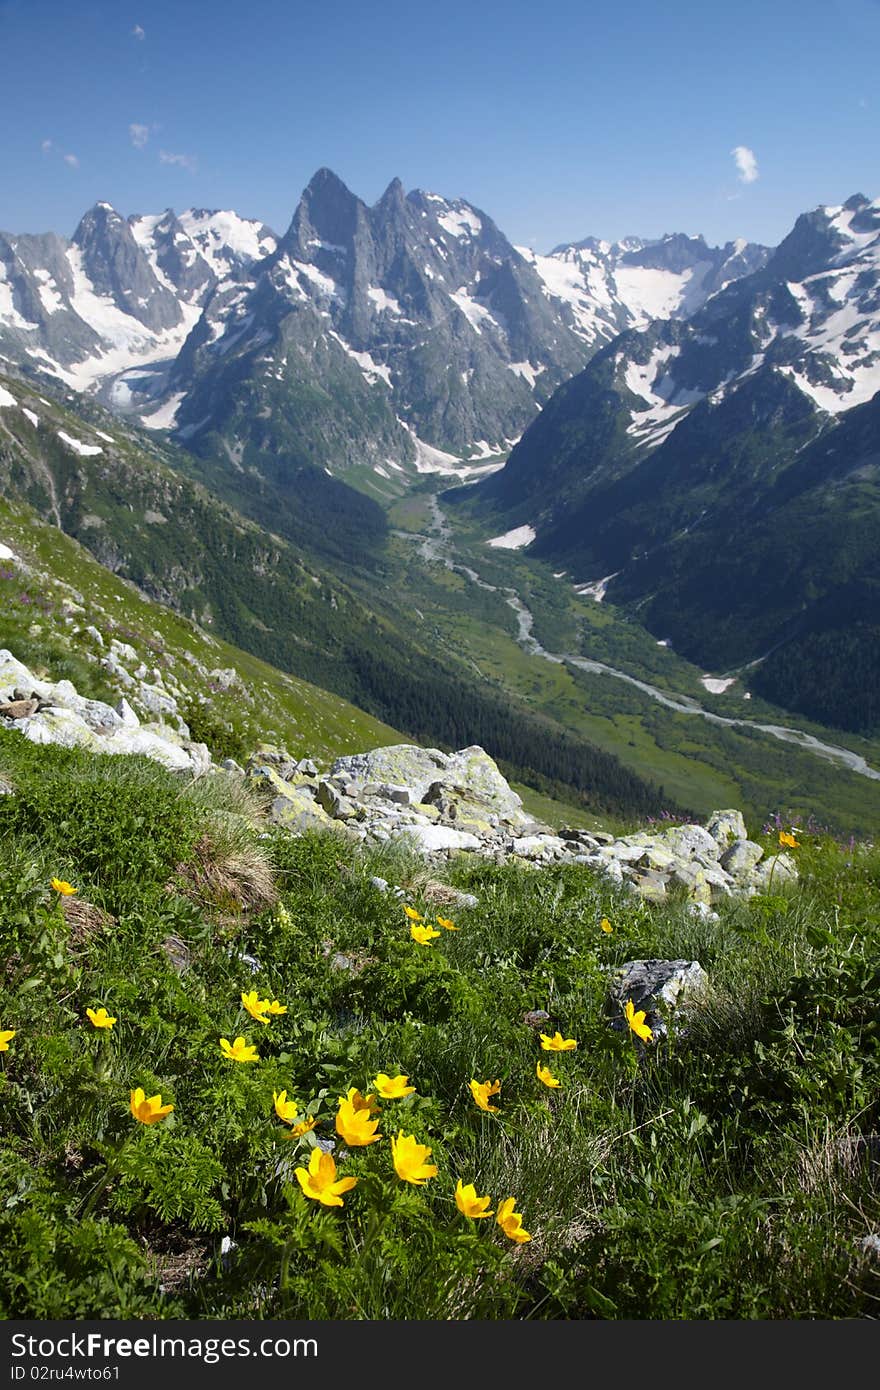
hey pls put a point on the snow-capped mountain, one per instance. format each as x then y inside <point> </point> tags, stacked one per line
<point>120,295</point>
<point>605,287</point>
<point>407,335</point>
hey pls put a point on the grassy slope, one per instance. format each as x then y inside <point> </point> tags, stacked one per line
<point>284,709</point>
<point>725,1174</point>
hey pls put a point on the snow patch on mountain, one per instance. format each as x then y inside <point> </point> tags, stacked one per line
<point>516,539</point>
<point>477,315</point>
<point>77,445</point>
<point>459,220</point>
<point>165,417</point>
<point>385,303</point>
<point>526,371</point>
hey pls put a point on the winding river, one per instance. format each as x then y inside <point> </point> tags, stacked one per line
<point>436,546</point>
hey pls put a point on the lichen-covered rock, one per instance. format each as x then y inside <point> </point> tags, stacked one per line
<point>296,809</point>
<point>726,826</point>
<point>470,774</point>
<point>740,857</point>
<point>779,872</point>
<point>686,841</point>
<point>650,886</point>
<point>403,764</point>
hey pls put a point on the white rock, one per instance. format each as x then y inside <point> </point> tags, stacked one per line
<point>428,838</point>
<point>127,714</point>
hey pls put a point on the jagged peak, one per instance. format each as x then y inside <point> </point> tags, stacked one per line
<point>325,180</point>
<point>394,193</point>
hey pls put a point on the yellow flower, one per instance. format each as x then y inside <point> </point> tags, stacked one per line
<point>410,1160</point>
<point>100,1017</point>
<point>355,1126</point>
<point>286,1110</point>
<point>423,934</point>
<point>637,1022</point>
<point>557,1043</point>
<point>319,1181</point>
<point>5,1035</point>
<point>368,1103</point>
<point>510,1221</point>
<point>469,1204</point>
<point>62,886</point>
<point>445,923</point>
<point>148,1109</point>
<point>412,914</point>
<point>239,1051</point>
<point>786,839</point>
<point>482,1090</point>
<point>393,1087</point>
<point>275,1007</point>
<point>545,1074</point>
<point>606,926</point>
<point>255,1006</point>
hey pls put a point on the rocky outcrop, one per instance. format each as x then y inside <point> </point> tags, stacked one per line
<point>54,712</point>
<point>444,803</point>
<point>437,804</point>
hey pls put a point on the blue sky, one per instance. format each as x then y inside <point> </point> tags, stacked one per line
<point>560,120</point>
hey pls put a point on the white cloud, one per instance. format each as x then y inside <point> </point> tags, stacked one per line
<point>184,161</point>
<point>746,163</point>
<point>72,160</point>
<point>46,146</point>
<point>138,33</point>
<point>139,135</point>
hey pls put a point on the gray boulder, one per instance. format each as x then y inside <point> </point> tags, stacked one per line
<point>726,826</point>
<point>740,857</point>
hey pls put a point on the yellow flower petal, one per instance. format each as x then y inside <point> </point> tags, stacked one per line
<point>637,1022</point>
<point>393,1087</point>
<point>545,1074</point>
<point>409,1158</point>
<point>482,1090</point>
<point>356,1127</point>
<point>557,1043</point>
<point>423,934</point>
<point>469,1204</point>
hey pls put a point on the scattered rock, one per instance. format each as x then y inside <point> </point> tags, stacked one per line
<point>62,716</point>
<point>655,986</point>
<point>19,709</point>
<point>536,1018</point>
<point>773,874</point>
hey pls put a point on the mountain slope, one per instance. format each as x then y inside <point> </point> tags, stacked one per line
<point>705,471</point>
